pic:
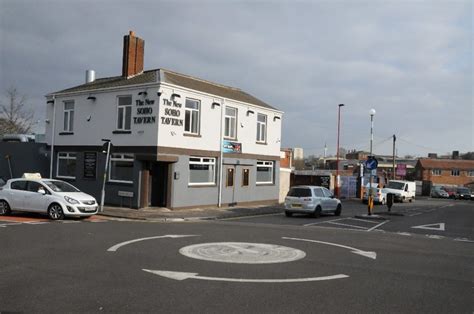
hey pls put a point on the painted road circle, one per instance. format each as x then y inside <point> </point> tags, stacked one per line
<point>242,253</point>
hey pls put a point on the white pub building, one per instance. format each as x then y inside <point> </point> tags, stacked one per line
<point>177,141</point>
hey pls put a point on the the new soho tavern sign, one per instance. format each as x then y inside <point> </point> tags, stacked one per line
<point>144,112</point>
<point>172,113</point>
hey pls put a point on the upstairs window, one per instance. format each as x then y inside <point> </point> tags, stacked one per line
<point>230,123</point>
<point>68,116</point>
<point>66,167</point>
<point>470,173</point>
<point>191,116</point>
<point>264,172</point>
<point>124,113</point>
<point>261,128</point>
<point>455,172</point>
<point>436,172</point>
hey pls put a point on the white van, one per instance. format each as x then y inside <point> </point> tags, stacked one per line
<point>402,190</point>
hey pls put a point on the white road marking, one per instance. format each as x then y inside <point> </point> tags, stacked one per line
<point>438,226</point>
<point>183,276</point>
<point>375,227</point>
<point>347,225</point>
<point>70,222</point>
<point>415,214</point>
<point>433,236</point>
<point>363,220</point>
<point>10,224</point>
<point>173,236</point>
<point>37,222</point>
<point>463,240</point>
<point>322,222</point>
<point>242,253</point>
<point>372,255</point>
<point>404,234</point>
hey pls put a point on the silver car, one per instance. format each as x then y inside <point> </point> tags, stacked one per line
<point>313,200</point>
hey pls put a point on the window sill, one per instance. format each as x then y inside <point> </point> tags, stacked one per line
<point>202,185</point>
<point>121,132</point>
<point>120,182</point>
<point>261,143</point>
<point>66,133</point>
<point>191,135</point>
<point>66,178</point>
<point>230,139</point>
<point>265,184</point>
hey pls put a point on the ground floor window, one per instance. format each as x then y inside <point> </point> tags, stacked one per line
<point>264,172</point>
<point>66,167</point>
<point>230,177</point>
<point>121,168</point>
<point>202,170</point>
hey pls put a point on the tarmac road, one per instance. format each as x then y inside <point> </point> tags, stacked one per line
<point>69,267</point>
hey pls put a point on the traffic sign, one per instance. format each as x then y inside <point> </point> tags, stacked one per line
<point>371,163</point>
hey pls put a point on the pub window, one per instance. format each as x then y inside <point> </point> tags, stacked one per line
<point>470,173</point>
<point>121,168</point>
<point>230,177</point>
<point>264,172</point>
<point>66,166</point>
<point>68,116</point>
<point>436,172</point>
<point>124,113</point>
<point>191,116</point>
<point>245,177</point>
<point>261,128</point>
<point>455,172</point>
<point>202,171</point>
<point>230,123</point>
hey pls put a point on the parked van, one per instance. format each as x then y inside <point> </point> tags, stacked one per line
<point>402,190</point>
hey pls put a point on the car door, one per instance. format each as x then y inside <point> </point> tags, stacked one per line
<point>319,196</point>
<point>34,200</point>
<point>17,194</point>
<point>329,200</point>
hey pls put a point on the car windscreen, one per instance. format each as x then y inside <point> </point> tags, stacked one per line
<point>463,190</point>
<point>396,185</point>
<point>60,186</point>
<point>300,192</point>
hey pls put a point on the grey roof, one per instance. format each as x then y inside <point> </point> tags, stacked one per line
<point>171,77</point>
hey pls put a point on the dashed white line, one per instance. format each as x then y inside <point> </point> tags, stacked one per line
<point>463,240</point>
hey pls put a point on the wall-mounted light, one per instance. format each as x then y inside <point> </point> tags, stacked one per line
<point>89,118</point>
<point>93,98</point>
<point>46,121</point>
<point>276,118</point>
<point>215,104</point>
<point>159,93</point>
<point>50,102</point>
<point>175,96</point>
<point>144,93</point>
<point>249,112</point>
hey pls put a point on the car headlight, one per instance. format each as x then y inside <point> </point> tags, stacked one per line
<point>71,200</point>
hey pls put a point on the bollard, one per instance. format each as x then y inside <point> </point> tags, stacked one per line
<point>390,198</point>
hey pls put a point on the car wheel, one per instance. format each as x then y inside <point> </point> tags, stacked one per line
<point>317,212</point>
<point>288,214</point>
<point>55,212</point>
<point>338,210</point>
<point>4,208</point>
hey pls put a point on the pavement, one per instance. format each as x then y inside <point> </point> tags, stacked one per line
<point>212,213</point>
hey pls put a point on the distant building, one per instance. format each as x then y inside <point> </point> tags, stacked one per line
<point>444,172</point>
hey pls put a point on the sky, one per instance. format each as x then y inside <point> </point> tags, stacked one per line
<point>411,61</point>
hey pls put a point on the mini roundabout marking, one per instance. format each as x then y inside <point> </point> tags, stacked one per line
<point>242,253</point>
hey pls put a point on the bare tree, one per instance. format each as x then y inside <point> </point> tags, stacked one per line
<point>14,116</point>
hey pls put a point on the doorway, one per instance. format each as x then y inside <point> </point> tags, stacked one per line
<point>159,184</point>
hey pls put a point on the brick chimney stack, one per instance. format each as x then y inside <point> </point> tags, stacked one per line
<point>133,52</point>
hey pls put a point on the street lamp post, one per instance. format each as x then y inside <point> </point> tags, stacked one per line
<point>371,198</point>
<point>337,149</point>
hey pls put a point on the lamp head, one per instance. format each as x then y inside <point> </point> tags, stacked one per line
<point>372,112</point>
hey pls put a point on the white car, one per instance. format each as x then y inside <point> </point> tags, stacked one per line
<point>54,197</point>
<point>379,195</point>
<point>313,200</point>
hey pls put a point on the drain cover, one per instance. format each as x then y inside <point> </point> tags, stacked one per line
<point>242,252</point>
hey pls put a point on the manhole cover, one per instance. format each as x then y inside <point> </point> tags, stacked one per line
<point>241,252</point>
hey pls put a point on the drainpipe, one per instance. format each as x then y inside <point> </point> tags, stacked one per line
<point>53,131</point>
<point>221,162</point>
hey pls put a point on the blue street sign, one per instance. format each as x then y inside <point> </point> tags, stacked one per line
<point>371,163</point>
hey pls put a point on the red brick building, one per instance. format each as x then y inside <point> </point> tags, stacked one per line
<point>445,171</point>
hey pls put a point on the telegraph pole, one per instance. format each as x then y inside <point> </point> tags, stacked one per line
<point>393,164</point>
